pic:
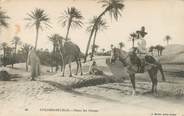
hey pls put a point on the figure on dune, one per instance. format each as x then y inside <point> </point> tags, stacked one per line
<point>34,61</point>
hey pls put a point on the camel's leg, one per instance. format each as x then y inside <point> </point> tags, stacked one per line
<point>80,66</point>
<point>77,67</point>
<point>161,71</point>
<point>132,78</point>
<point>155,80</point>
<point>69,65</point>
<point>152,80</point>
<point>61,65</point>
<point>63,70</point>
<point>56,68</point>
<point>38,69</point>
<point>70,69</point>
<point>51,69</point>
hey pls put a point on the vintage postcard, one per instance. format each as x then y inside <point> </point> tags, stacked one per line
<point>91,57</point>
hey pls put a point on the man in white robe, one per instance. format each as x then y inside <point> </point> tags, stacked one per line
<point>141,42</point>
<point>34,62</point>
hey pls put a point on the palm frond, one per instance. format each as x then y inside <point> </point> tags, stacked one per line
<point>101,24</point>
<point>71,14</point>
<point>3,19</point>
<point>38,17</point>
<point>113,7</point>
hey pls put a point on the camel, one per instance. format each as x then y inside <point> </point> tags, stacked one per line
<point>71,52</point>
<point>132,67</point>
<point>34,61</point>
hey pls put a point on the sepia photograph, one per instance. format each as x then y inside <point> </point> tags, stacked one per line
<point>91,57</point>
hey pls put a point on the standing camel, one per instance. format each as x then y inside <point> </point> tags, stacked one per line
<point>71,52</point>
<point>132,67</point>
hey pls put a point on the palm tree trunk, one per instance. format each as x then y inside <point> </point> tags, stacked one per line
<point>91,34</point>
<point>15,48</point>
<point>167,42</point>
<point>15,57</point>
<point>27,68</point>
<point>93,48</point>
<point>68,28</point>
<point>158,52</point>
<point>26,65</point>
<point>133,42</point>
<point>87,48</point>
<point>4,56</point>
<point>37,31</point>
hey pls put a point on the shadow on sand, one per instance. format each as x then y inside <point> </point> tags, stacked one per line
<point>70,90</point>
<point>176,74</point>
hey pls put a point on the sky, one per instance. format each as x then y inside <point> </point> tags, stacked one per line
<point>160,18</point>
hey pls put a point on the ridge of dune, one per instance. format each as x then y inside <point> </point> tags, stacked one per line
<point>173,53</point>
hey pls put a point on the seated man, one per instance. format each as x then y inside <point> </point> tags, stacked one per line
<point>141,51</point>
<point>94,69</point>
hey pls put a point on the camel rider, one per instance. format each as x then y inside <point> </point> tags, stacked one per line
<point>142,52</point>
<point>141,42</point>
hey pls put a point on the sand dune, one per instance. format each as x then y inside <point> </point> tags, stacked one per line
<point>51,90</point>
<point>173,54</point>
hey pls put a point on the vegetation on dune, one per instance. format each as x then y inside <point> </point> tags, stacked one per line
<point>158,48</point>
<point>167,39</point>
<point>132,38</point>
<point>25,51</point>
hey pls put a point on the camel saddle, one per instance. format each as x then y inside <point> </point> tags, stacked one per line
<point>141,61</point>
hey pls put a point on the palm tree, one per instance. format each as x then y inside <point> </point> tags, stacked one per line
<point>71,18</point>
<point>113,7</point>
<point>121,45</point>
<point>54,40</point>
<point>16,41</point>
<point>167,39</point>
<point>103,50</point>
<point>133,36</point>
<point>25,50</point>
<point>95,47</point>
<point>9,59</point>
<point>57,41</point>
<point>4,46</point>
<point>3,19</point>
<point>157,47</point>
<point>38,18</point>
<point>111,46</point>
<point>151,49</point>
<point>100,26</point>
<point>161,50</point>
